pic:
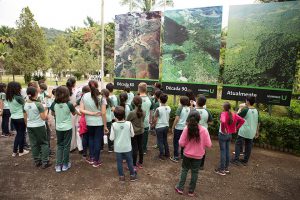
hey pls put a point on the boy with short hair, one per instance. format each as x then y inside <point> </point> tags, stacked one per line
<point>247,132</point>
<point>147,107</point>
<point>112,97</point>
<point>161,124</point>
<point>205,118</point>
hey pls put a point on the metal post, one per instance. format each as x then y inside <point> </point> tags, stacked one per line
<point>130,6</point>
<point>102,44</point>
<point>270,110</point>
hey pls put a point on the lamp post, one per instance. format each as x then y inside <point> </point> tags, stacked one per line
<point>102,44</point>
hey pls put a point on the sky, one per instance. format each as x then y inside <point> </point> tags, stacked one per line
<point>62,14</point>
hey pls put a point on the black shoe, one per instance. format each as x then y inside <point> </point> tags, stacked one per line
<point>244,162</point>
<point>38,163</point>
<point>235,162</point>
<point>46,165</point>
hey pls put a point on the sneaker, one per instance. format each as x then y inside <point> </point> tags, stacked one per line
<point>4,135</point>
<point>191,194</point>
<point>122,178</point>
<point>38,163</point>
<point>139,165</point>
<point>66,167</point>
<point>58,168</point>
<point>24,153</point>
<point>179,191</point>
<point>110,150</point>
<point>90,161</point>
<point>235,162</point>
<point>46,165</point>
<point>155,146</point>
<point>227,171</point>
<point>97,164</point>
<point>145,153</point>
<point>241,154</point>
<point>176,160</point>
<point>135,168</point>
<point>14,154</point>
<point>133,178</point>
<point>220,172</point>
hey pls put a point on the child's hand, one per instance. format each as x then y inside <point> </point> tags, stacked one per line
<point>106,131</point>
<point>97,113</point>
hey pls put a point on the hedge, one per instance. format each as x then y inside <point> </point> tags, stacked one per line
<point>280,133</point>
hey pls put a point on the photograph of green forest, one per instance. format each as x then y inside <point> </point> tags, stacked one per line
<point>191,45</point>
<point>263,45</point>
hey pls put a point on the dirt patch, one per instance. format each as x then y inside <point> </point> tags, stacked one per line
<point>270,175</point>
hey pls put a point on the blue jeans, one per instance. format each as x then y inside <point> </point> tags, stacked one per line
<point>5,122</point>
<point>239,145</point>
<point>177,134</point>
<point>95,135</point>
<point>224,142</point>
<point>20,126</point>
<point>128,157</point>
<point>162,141</point>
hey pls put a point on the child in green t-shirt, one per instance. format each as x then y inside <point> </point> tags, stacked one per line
<point>161,124</point>
<point>121,133</point>
<point>35,115</point>
<point>62,109</point>
<point>179,123</point>
<point>205,118</point>
<point>147,107</point>
<point>129,94</point>
<point>247,132</point>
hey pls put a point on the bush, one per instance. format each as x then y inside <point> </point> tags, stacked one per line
<point>294,109</point>
<point>280,132</point>
<point>78,75</point>
<point>38,77</point>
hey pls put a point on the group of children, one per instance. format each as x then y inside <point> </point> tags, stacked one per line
<point>125,121</point>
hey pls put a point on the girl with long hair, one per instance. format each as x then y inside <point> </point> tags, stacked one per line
<point>229,124</point>
<point>194,139</point>
<point>137,117</point>
<point>16,102</point>
<point>94,108</point>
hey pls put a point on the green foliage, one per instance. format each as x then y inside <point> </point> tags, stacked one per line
<point>84,62</point>
<point>38,77</point>
<point>280,132</point>
<point>59,56</point>
<point>294,109</point>
<point>51,34</point>
<point>29,52</point>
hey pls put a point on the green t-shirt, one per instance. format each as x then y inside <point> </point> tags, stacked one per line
<point>206,117</point>
<point>121,134</point>
<point>3,98</point>
<point>33,110</point>
<point>156,104</point>
<point>147,106</point>
<point>183,113</point>
<point>16,107</point>
<point>163,116</point>
<point>130,98</point>
<point>90,105</point>
<point>249,128</point>
<point>63,119</point>
<point>114,100</point>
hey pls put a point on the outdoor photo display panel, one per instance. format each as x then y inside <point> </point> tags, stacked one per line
<point>191,49</point>
<point>262,48</point>
<point>137,48</point>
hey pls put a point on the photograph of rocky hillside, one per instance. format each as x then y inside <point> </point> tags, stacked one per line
<point>137,45</point>
<point>263,44</point>
<point>191,45</point>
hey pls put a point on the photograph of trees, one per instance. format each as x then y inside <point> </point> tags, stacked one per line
<point>263,45</point>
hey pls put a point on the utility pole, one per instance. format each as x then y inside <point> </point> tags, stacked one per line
<point>102,44</point>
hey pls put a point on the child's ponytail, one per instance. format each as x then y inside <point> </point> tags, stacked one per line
<point>94,91</point>
<point>31,93</point>
<point>123,98</point>
<point>227,108</point>
<point>71,84</point>
<point>137,101</point>
<point>193,127</point>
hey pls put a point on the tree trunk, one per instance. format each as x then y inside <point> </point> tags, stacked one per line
<point>14,77</point>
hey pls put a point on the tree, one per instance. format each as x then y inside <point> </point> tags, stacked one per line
<point>59,56</point>
<point>84,62</point>
<point>29,52</point>
<point>89,22</point>
<point>146,5</point>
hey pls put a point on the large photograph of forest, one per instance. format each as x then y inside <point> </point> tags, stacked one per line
<point>263,43</point>
<point>191,45</point>
<point>137,45</point>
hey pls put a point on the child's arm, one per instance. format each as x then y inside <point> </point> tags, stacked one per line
<point>131,130</point>
<point>25,118</point>
<point>156,115</point>
<point>112,133</point>
<point>175,123</point>
<point>43,112</point>
<point>208,143</point>
<point>86,112</point>
<point>183,137</point>
<point>240,121</point>
<point>103,112</point>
